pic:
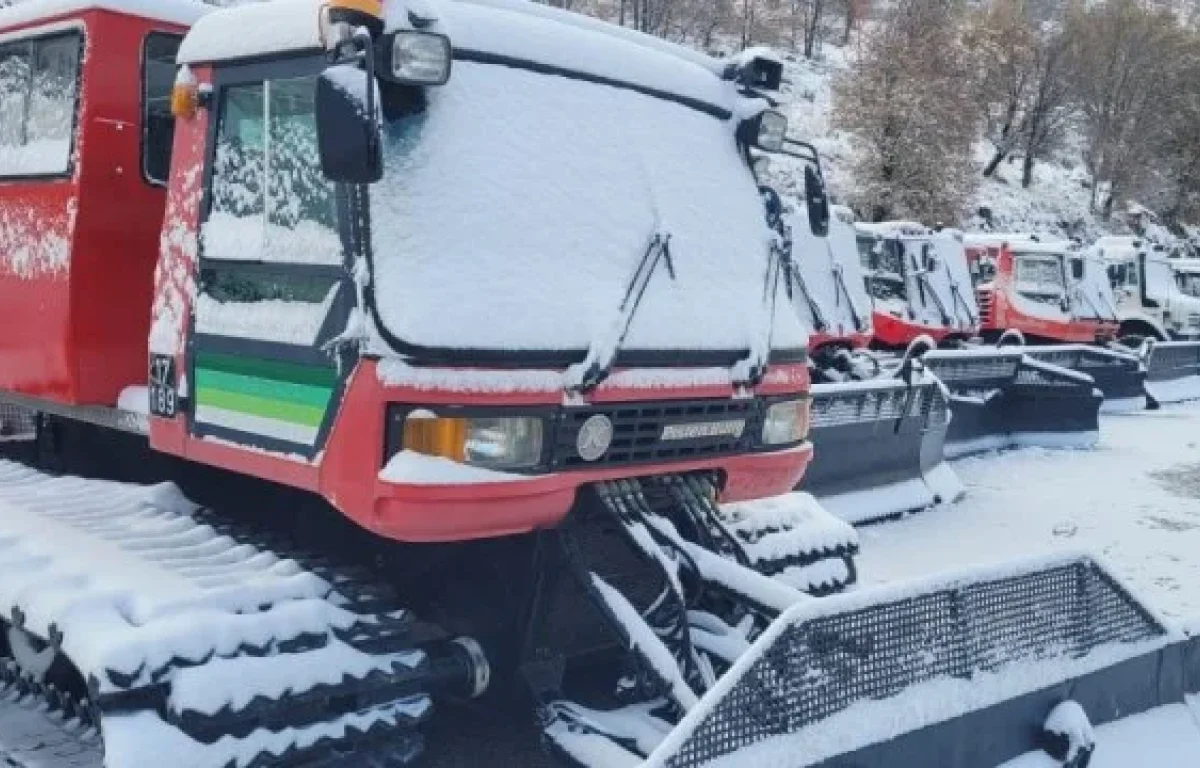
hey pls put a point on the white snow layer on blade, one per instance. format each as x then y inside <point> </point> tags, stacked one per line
<point>869,722</point>
<point>1164,737</point>
<point>869,504</point>
<point>542,204</point>
<point>418,469</point>
<point>1176,390</point>
<point>182,12</point>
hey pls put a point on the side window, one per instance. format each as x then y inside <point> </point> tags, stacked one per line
<point>39,82</point>
<point>270,200</point>
<point>158,126</point>
<point>272,255</point>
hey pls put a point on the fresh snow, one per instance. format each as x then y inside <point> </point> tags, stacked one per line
<point>415,468</point>
<point>1135,499</point>
<point>567,201</point>
<point>181,12</point>
<point>1166,737</point>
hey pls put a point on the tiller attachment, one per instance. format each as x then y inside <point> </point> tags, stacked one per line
<point>957,672</point>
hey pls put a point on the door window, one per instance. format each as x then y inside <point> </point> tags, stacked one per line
<point>39,82</point>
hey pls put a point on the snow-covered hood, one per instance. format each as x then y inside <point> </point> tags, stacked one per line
<point>515,211</point>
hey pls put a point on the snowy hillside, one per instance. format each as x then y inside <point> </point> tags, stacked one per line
<point>1056,203</point>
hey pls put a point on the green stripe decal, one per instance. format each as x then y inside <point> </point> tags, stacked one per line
<point>286,391</point>
<point>275,370</point>
<point>262,406</point>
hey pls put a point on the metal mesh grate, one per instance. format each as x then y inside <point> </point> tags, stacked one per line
<point>17,423</point>
<point>833,408</point>
<point>1031,376</point>
<point>819,667</point>
<point>953,371</point>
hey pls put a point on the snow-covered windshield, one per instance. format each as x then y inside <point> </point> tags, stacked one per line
<point>1040,276</point>
<point>1188,283</point>
<point>884,267</point>
<point>516,206</point>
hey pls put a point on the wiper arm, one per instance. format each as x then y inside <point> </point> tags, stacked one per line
<point>752,369</point>
<point>585,376</point>
<point>839,277</point>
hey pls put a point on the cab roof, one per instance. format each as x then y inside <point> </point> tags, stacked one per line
<point>179,12</point>
<point>506,29</point>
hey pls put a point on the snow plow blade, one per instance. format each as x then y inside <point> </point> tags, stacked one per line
<point>1173,371</point>
<point>958,671</point>
<point>1005,399</point>
<point>878,448</point>
<point>1119,375</point>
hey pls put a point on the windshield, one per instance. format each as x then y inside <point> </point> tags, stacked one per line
<point>883,262</point>
<point>1188,283</point>
<point>1040,277</point>
<point>516,206</point>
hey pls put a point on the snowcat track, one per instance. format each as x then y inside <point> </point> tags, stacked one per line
<point>305,664</point>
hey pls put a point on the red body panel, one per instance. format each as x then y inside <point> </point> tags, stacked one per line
<point>347,471</point>
<point>898,333</point>
<point>999,311</point>
<point>76,274</point>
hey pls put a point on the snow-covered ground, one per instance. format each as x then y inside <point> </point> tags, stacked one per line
<point>1134,500</point>
<point>1167,737</point>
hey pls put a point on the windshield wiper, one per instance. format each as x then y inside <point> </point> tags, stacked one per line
<point>839,278</point>
<point>752,369</point>
<point>585,376</point>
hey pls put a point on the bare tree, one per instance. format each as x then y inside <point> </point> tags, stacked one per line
<point>908,104</point>
<point>1122,54</point>
<point>1003,43</point>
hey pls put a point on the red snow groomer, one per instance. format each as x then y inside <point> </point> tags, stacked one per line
<point>466,324</point>
<point>879,424</point>
<point>1057,299</point>
<point>919,284</point>
<point>922,295</point>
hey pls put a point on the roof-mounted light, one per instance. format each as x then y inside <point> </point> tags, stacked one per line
<point>340,18</point>
<point>418,58</point>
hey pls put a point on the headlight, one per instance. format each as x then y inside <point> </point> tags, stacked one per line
<point>420,58</point>
<point>491,442</point>
<point>786,422</point>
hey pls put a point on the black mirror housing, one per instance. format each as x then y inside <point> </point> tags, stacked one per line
<point>818,202</point>
<point>1077,269</point>
<point>348,126</point>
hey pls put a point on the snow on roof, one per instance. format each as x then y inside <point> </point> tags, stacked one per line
<point>1190,266</point>
<point>181,12</point>
<point>893,228</point>
<point>1025,243</point>
<point>514,28</point>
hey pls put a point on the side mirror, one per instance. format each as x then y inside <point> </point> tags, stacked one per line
<point>1065,304</point>
<point>1077,269</point>
<point>818,203</point>
<point>348,125</point>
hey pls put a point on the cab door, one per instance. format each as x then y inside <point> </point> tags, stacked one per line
<point>273,288</point>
